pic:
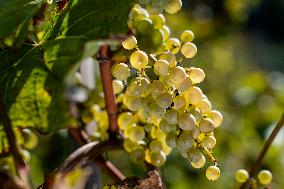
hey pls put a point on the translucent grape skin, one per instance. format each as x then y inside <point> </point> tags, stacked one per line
<point>199,164</point>
<point>213,173</point>
<point>129,43</point>
<point>117,86</point>
<point>173,6</point>
<point>264,177</point>
<point>189,50</point>
<point>136,133</point>
<point>216,117</point>
<point>171,140</point>
<point>158,158</point>
<point>139,59</point>
<point>206,125</point>
<point>120,71</point>
<point>162,67</point>
<point>173,44</point>
<point>186,121</point>
<point>187,36</point>
<point>241,176</point>
<point>196,75</point>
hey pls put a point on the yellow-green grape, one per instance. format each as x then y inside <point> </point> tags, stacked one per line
<point>125,120</point>
<point>241,176</point>
<point>177,74</point>
<point>138,86</point>
<point>144,25</point>
<point>204,106</point>
<point>189,50</point>
<point>139,59</point>
<point>148,127</point>
<point>155,146</point>
<point>129,43</point>
<point>173,44</point>
<point>30,139</point>
<point>206,125</point>
<point>120,71</point>
<point>173,6</point>
<point>184,141</point>
<point>157,37</point>
<point>130,145</point>
<point>185,85</point>
<point>158,20</point>
<point>162,67</point>
<point>179,102</point>
<point>164,100</point>
<point>156,88</point>
<point>167,32</point>
<point>26,155</point>
<point>170,57</point>
<point>165,126</point>
<point>143,115</point>
<point>137,155</point>
<point>158,158</point>
<point>171,117</point>
<point>187,36</point>
<point>147,102</point>
<point>209,142</point>
<point>117,86</point>
<point>197,114</point>
<point>157,111</point>
<point>199,164</point>
<point>186,121</point>
<point>216,117</point>
<point>171,140</point>
<point>264,177</point>
<point>133,103</point>
<point>195,132</point>
<point>136,133</point>
<point>194,155</point>
<point>196,75</point>
<point>213,173</point>
<point>193,95</point>
<point>139,13</point>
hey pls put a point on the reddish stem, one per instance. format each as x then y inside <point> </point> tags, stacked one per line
<point>106,77</point>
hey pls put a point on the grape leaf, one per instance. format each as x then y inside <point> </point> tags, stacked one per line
<point>14,14</point>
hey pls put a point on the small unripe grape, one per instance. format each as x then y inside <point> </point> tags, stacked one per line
<point>139,59</point>
<point>204,106</point>
<point>213,173</point>
<point>156,146</point>
<point>241,176</point>
<point>264,177</point>
<point>162,67</point>
<point>187,36</point>
<point>120,71</point>
<point>167,32</point>
<point>171,117</point>
<point>144,25</point>
<point>136,133</point>
<point>173,44</point>
<point>186,121</point>
<point>165,126</point>
<point>196,75</point>
<point>206,125</point>
<point>173,6</point>
<point>130,145</point>
<point>199,164</point>
<point>164,100</point>
<point>189,50</point>
<point>158,20</point>
<point>193,95</point>
<point>170,57</point>
<point>158,158</point>
<point>157,37</point>
<point>216,117</point>
<point>117,86</point>
<point>129,43</point>
<point>171,140</point>
<point>209,142</point>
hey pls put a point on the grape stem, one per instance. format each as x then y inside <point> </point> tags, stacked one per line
<point>22,169</point>
<point>264,150</point>
<point>106,78</point>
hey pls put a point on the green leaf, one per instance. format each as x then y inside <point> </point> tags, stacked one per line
<point>15,14</point>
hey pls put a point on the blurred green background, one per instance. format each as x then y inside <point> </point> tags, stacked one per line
<point>241,49</point>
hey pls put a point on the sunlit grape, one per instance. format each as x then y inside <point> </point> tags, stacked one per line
<point>213,173</point>
<point>162,67</point>
<point>241,176</point>
<point>264,177</point>
<point>187,36</point>
<point>158,158</point>
<point>129,43</point>
<point>117,86</point>
<point>200,163</point>
<point>173,44</point>
<point>173,6</point>
<point>186,121</point>
<point>189,50</point>
<point>196,75</point>
<point>206,125</point>
<point>139,59</point>
<point>120,71</point>
<point>216,117</point>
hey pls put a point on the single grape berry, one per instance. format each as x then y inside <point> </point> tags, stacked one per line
<point>139,59</point>
<point>129,43</point>
<point>173,6</point>
<point>189,50</point>
<point>241,176</point>
<point>187,36</point>
<point>213,173</point>
<point>264,177</point>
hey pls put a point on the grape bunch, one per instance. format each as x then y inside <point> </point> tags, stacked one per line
<point>160,105</point>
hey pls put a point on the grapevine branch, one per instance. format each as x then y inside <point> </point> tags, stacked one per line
<point>105,72</point>
<point>21,166</point>
<point>264,150</point>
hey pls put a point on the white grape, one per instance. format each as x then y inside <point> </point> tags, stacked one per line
<point>158,158</point>
<point>178,74</point>
<point>216,117</point>
<point>161,67</point>
<point>187,36</point>
<point>186,121</point>
<point>117,86</point>
<point>184,141</point>
<point>179,102</point>
<point>156,88</point>
<point>139,59</point>
<point>264,177</point>
<point>200,163</point>
<point>209,142</point>
<point>164,100</point>
<point>213,173</point>
<point>171,117</point>
<point>156,146</point>
<point>206,125</point>
<point>129,43</point>
<point>173,44</point>
<point>189,50</point>
<point>204,106</point>
<point>136,133</point>
<point>120,71</point>
<point>196,75</point>
<point>165,126</point>
<point>170,57</point>
<point>241,176</point>
<point>173,6</point>
<point>171,140</point>
<point>193,95</point>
